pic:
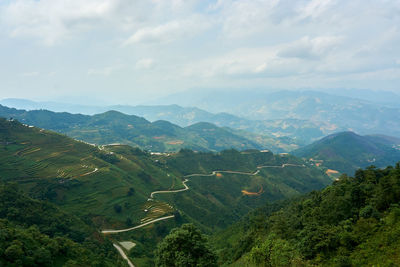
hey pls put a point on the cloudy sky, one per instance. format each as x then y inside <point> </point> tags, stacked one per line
<point>126,51</point>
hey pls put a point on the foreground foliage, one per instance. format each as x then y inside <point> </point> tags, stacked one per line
<point>354,222</point>
<point>36,233</point>
<point>185,246</point>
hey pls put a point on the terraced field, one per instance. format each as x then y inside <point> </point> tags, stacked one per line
<point>155,209</point>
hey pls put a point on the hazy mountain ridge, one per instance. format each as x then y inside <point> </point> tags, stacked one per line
<point>347,151</point>
<point>116,127</point>
<point>299,131</point>
<point>304,116</point>
<point>339,112</point>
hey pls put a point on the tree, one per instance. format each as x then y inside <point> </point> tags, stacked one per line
<point>274,252</point>
<point>184,246</point>
<point>131,191</point>
<point>128,222</point>
<point>14,252</point>
<point>117,208</point>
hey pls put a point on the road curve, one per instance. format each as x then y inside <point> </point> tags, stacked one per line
<point>137,226</point>
<point>215,172</point>
<point>122,253</point>
<point>171,191</point>
<point>245,173</point>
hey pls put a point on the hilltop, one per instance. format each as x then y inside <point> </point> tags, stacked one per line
<point>348,151</point>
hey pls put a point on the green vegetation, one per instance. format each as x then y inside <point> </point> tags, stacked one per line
<point>115,127</point>
<point>80,178</point>
<point>353,222</point>
<point>216,201</point>
<point>36,233</point>
<point>185,247</point>
<point>108,187</point>
<point>346,152</point>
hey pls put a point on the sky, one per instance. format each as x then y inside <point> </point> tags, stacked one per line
<point>128,51</point>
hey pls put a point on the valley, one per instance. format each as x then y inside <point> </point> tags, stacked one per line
<point>112,186</point>
<point>214,173</point>
<point>133,197</point>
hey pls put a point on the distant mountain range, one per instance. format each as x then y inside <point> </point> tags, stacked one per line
<point>347,151</point>
<point>295,132</point>
<point>355,111</point>
<point>160,136</point>
<point>301,116</point>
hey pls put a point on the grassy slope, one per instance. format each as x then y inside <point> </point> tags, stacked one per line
<point>223,195</point>
<point>54,167</point>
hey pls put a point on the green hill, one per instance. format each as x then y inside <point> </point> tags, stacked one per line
<point>80,178</point>
<point>232,194</point>
<point>115,127</point>
<point>354,222</point>
<point>347,151</point>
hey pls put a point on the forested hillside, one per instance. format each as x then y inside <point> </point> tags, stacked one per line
<point>36,233</point>
<point>353,222</point>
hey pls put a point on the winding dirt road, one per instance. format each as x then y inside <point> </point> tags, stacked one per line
<point>246,173</point>
<point>137,226</point>
<point>121,251</point>
<point>215,172</point>
<point>187,188</point>
<point>123,255</point>
<point>171,191</point>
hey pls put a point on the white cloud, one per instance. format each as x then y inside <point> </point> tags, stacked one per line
<point>168,32</point>
<point>243,18</point>
<point>307,48</point>
<point>102,71</point>
<point>145,63</point>
<point>271,61</point>
<point>162,33</point>
<point>194,43</point>
<point>261,68</point>
<point>53,20</point>
<point>30,74</point>
<point>314,9</point>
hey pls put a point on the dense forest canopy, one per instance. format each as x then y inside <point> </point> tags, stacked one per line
<point>353,222</point>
